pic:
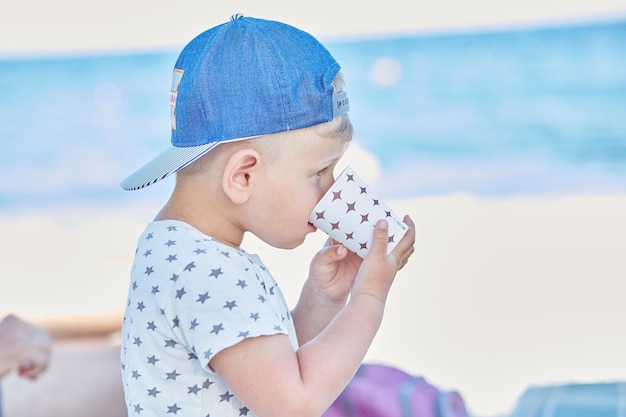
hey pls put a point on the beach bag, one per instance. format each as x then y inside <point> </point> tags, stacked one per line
<point>383,391</point>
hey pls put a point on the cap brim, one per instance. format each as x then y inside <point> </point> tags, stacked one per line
<point>168,162</point>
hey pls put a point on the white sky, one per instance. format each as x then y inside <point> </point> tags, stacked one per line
<point>51,26</point>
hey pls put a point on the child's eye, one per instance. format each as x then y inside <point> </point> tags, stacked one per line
<point>320,172</point>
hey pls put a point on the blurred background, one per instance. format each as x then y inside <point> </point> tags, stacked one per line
<point>499,126</point>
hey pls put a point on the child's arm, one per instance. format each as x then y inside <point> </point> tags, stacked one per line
<point>331,277</point>
<point>273,380</point>
<point>325,293</point>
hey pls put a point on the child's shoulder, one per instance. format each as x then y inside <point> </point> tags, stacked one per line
<point>174,236</point>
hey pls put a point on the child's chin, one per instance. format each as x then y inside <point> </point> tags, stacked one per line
<point>292,243</point>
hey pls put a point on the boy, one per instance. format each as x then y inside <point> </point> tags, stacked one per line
<point>207,331</point>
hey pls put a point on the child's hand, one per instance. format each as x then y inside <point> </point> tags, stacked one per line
<point>332,272</point>
<point>332,277</point>
<point>378,269</point>
<point>334,268</point>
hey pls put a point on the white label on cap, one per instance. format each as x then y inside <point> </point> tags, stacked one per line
<point>341,104</point>
<point>176,77</point>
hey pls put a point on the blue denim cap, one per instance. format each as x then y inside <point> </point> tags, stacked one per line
<point>242,79</point>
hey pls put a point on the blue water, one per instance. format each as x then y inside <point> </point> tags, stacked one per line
<point>498,113</point>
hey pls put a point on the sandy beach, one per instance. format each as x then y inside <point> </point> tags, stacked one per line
<point>500,294</point>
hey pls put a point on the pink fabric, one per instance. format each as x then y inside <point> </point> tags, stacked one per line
<point>383,391</point>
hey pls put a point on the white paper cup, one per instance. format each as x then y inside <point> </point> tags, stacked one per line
<point>348,213</point>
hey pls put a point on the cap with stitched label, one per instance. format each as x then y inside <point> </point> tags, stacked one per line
<point>242,79</point>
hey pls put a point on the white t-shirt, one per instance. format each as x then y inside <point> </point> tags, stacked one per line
<point>191,296</point>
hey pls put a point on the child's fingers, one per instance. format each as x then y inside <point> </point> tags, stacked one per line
<point>380,239</point>
<point>408,239</point>
<point>405,248</point>
<point>330,253</point>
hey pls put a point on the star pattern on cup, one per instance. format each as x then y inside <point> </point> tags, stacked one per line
<point>348,213</point>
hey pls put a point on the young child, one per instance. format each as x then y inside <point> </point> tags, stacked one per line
<point>207,331</point>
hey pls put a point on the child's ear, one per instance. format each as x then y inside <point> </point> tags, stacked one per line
<point>239,168</point>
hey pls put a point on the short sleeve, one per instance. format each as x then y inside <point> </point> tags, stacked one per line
<point>222,297</point>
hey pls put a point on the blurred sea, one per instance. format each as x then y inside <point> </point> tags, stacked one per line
<point>494,113</point>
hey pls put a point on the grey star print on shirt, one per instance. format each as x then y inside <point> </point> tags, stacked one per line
<point>190,297</point>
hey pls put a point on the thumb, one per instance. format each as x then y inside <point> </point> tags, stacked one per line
<point>380,240</point>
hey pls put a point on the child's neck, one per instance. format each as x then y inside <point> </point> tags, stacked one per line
<point>205,217</point>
